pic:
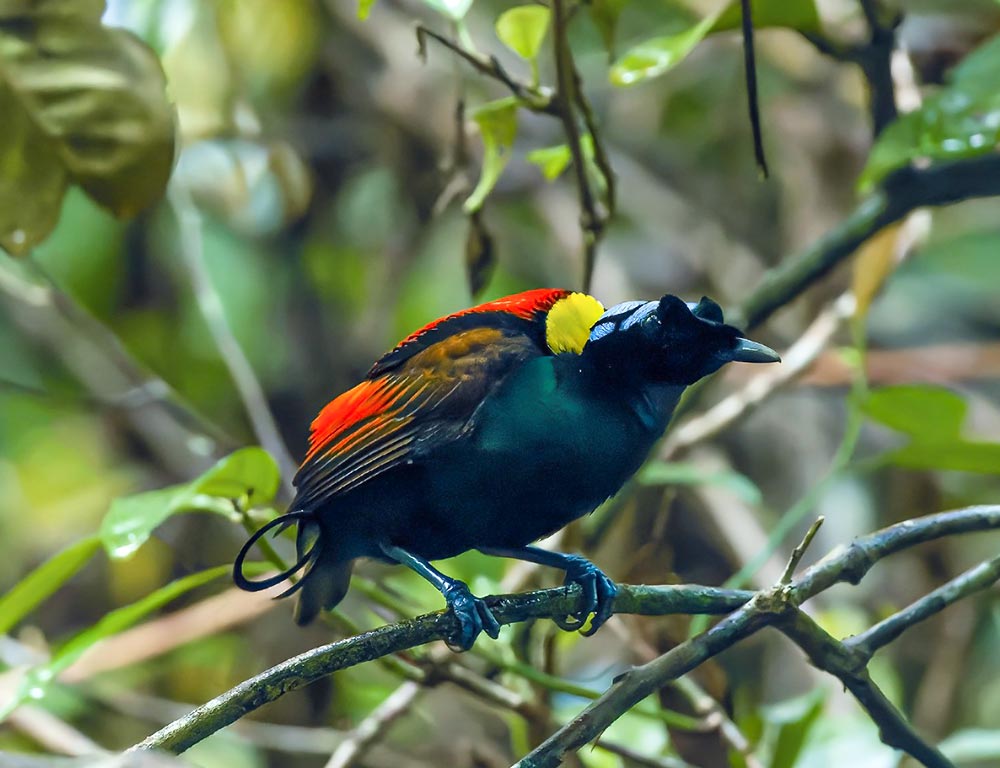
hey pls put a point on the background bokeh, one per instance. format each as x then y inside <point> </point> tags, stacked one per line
<point>319,150</point>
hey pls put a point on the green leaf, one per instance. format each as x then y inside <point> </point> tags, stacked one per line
<point>246,471</point>
<point>680,473</point>
<point>365,8</point>
<point>453,9</point>
<point>960,121</point>
<point>81,103</point>
<point>929,413</point>
<point>933,418</point>
<point>651,58</point>
<point>523,28</point>
<point>657,55</point>
<point>42,582</point>
<point>552,161</point>
<point>130,521</point>
<point>37,680</point>
<point>497,122</point>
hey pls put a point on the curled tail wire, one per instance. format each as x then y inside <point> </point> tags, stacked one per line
<point>307,559</point>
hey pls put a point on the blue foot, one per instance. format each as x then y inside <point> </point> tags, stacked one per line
<point>473,615</point>
<point>598,594</point>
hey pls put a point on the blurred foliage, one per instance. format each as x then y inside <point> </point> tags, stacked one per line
<point>341,211</point>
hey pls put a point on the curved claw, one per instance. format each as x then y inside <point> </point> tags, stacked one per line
<point>473,615</point>
<point>598,596</point>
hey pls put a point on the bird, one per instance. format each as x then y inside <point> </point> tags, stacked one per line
<point>489,429</point>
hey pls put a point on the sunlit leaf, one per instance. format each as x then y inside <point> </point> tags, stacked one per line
<point>81,103</point>
<point>681,473</point>
<point>365,8</point>
<point>497,122</point>
<point>962,120</point>
<point>37,680</point>
<point>453,9</point>
<point>552,161</point>
<point>248,472</point>
<point>523,28</point>
<point>651,58</point>
<point>42,582</point>
<point>655,56</point>
<point>960,456</point>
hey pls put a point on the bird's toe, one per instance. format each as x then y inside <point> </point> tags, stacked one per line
<point>473,616</point>
<point>597,597</point>
<point>606,591</point>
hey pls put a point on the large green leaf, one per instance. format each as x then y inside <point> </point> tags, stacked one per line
<point>962,120</point>
<point>932,417</point>
<point>81,103</point>
<point>657,55</point>
<point>928,413</point>
<point>248,472</point>
<point>36,681</point>
<point>498,125</point>
<point>38,585</point>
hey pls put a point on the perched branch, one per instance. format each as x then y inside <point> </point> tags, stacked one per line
<point>768,607</point>
<point>902,192</point>
<point>318,662</point>
<point>754,611</point>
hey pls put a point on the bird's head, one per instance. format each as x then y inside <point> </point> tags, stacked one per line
<point>669,341</point>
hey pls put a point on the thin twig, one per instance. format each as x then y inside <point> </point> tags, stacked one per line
<point>210,304</point>
<point>981,577</point>
<point>750,71</point>
<point>799,552</point>
<point>537,99</point>
<point>591,219</point>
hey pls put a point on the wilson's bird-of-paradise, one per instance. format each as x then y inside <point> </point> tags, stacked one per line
<point>489,429</point>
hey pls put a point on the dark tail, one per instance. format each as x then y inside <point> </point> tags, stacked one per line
<point>325,575</point>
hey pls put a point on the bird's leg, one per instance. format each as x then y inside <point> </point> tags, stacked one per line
<point>473,615</point>
<point>598,590</point>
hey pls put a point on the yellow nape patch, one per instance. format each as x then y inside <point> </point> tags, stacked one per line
<point>567,326</point>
